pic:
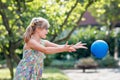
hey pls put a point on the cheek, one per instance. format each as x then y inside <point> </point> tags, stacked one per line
<point>45,31</point>
<point>42,33</point>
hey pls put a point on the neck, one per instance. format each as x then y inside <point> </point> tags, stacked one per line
<point>36,37</point>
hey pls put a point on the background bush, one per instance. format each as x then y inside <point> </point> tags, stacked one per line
<point>109,62</point>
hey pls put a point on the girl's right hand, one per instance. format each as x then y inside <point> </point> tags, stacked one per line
<point>69,48</point>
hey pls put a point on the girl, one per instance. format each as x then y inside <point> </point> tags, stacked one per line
<point>35,48</point>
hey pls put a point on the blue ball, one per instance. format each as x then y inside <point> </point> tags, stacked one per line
<point>99,48</point>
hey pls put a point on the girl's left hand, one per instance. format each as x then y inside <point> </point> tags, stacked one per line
<point>80,45</point>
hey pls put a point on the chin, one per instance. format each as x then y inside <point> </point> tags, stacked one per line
<point>44,37</point>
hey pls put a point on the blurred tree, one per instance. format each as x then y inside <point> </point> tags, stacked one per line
<point>108,13</point>
<point>10,20</point>
<point>16,14</point>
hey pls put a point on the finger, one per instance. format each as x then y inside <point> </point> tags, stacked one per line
<point>84,43</point>
<point>79,42</point>
<point>77,47</point>
<point>71,45</point>
<point>66,43</point>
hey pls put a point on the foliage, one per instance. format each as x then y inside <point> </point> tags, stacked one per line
<point>107,11</point>
<point>47,60</point>
<point>118,39</point>
<point>109,62</point>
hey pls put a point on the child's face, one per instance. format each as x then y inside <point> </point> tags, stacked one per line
<point>43,32</point>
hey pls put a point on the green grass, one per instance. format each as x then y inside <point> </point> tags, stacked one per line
<point>48,74</point>
<point>4,74</point>
<point>54,74</point>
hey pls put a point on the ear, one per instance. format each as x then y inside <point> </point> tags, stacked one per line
<point>36,30</point>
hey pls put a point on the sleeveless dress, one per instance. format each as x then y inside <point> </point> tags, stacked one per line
<point>31,65</point>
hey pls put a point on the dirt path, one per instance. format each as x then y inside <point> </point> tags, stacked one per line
<point>100,74</point>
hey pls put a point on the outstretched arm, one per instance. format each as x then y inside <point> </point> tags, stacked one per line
<point>76,46</point>
<point>51,44</point>
<point>50,50</point>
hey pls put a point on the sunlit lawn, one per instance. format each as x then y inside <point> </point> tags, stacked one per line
<point>54,74</point>
<point>4,74</point>
<point>49,74</point>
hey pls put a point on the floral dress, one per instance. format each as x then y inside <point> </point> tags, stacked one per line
<point>31,66</point>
